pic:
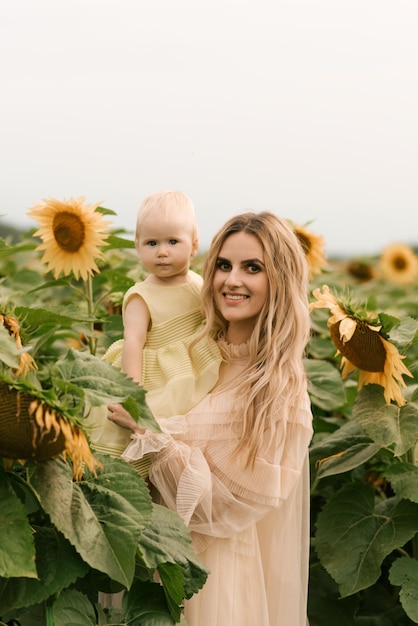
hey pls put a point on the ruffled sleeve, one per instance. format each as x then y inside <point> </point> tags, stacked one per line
<point>212,489</point>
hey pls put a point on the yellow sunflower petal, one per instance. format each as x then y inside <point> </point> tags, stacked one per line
<point>72,233</point>
<point>326,300</point>
<point>347,327</point>
<point>313,247</point>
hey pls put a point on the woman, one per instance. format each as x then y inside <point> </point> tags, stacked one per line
<point>238,474</point>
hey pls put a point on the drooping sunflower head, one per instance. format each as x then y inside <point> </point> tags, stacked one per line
<point>72,233</point>
<point>313,247</point>
<point>362,271</point>
<point>398,264</point>
<point>358,337</point>
<point>32,429</point>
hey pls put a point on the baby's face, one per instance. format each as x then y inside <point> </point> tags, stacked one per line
<point>166,246</point>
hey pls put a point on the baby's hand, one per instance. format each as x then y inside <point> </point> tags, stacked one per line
<point>120,416</point>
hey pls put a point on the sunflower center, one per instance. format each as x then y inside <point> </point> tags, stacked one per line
<point>365,350</point>
<point>68,231</point>
<point>399,263</point>
<point>305,242</point>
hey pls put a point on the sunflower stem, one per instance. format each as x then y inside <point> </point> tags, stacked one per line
<point>49,617</point>
<point>90,308</point>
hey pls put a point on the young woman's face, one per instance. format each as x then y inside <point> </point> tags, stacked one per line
<point>166,247</point>
<point>240,284</point>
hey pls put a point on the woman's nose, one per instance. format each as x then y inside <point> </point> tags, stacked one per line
<point>233,277</point>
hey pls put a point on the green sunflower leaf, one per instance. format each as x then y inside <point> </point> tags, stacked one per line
<point>17,549</point>
<point>353,536</point>
<point>9,353</point>
<point>404,573</point>
<point>52,551</point>
<point>115,242</point>
<point>343,450</point>
<point>403,478</point>
<point>103,384</point>
<point>147,606</point>
<point>73,607</point>
<point>325,386</point>
<point>167,540</point>
<point>386,424</point>
<point>102,517</point>
<point>406,332</point>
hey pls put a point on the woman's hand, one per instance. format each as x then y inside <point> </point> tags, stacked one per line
<point>120,416</point>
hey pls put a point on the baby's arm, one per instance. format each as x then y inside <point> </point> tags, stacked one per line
<point>136,323</point>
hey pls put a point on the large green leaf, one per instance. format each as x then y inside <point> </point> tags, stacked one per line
<point>73,608</point>
<point>403,478</point>
<point>344,449</point>
<point>38,317</point>
<point>325,607</point>
<point>115,242</point>
<point>58,566</point>
<point>386,424</point>
<point>347,460</point>
<point>167,540</point>
<point>404,573</point>
<point>103,384</point>
<point>406,332</point>
<point>17,549</point>
<point>9,353</point>
<point>353,536</point>
<point>172,581</point>
<point>101,517</point>
<point>325,386</point>
<point>146,606</point>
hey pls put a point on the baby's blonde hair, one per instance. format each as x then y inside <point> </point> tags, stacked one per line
<point>164,204</point>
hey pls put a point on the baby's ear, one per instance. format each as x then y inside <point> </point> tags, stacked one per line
<point>195,246</point>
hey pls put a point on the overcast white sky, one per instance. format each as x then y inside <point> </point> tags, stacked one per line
<point>308,108</point>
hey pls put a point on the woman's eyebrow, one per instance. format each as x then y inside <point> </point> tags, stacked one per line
<point>256,260</point>
<point>243,262</point>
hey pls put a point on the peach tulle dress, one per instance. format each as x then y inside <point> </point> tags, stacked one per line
<point>249,525</point>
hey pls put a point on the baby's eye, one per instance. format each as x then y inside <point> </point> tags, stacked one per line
<point>151,243</point>
<point>172,242</point>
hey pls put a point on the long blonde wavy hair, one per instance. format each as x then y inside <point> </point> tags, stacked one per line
<point>274,381</point>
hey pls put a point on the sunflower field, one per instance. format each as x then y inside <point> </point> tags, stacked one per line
<point>77,526</point>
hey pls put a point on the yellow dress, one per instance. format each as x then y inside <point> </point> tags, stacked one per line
<point>249,525</point>
<point>174,377</point>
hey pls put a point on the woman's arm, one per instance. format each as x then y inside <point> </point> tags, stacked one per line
<point>215,493</point>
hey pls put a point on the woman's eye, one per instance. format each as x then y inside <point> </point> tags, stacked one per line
<point>253,268</point>
<point>223,265</point>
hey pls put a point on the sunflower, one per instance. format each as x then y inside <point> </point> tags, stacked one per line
<point>399,264</point>
<point>359,340</point>
<point>32,429</point>
<point>313,247</point>
<point>362,271</point>
<point>71,234</point>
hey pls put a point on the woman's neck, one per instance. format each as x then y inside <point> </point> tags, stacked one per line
<point>238,333</point>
